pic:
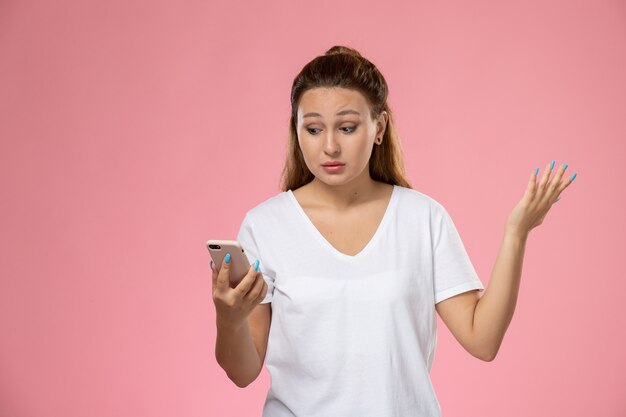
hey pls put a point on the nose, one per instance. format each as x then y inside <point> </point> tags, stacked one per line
<point>331,145</point>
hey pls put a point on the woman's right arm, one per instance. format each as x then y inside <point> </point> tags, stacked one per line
<point>240,351</point>
<point>242,324</point>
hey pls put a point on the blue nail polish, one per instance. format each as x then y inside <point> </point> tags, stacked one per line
<point>552,165</point>
<point>227,258</point>
<point>536,171</point>
<point>573,176</point>
<point>256,266</point>
<point>565,167</point>
<point>211,263</point>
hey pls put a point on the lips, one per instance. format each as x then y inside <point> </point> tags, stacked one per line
<point>332,164</point>
<point>328,167</point>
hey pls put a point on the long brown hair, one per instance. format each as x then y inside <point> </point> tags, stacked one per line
<point>342,66</point>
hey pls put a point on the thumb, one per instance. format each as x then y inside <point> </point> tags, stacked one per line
<point>224,274</point>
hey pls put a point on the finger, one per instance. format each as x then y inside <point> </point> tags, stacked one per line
<point>256,288</point>
<point>264,292</point>
<point>555,183</point>
<point>224,274</point>
<point>246,283</point>
<point>567,182</point>
<point>545,177</point>
<point>552,187</point>
<point>562,185</point>
<point>213,276</point>
<point>531,187</point>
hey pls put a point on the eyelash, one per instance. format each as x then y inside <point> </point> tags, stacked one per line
<point>347,127</point>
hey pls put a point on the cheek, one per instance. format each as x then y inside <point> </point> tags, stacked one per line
<point>365,148</point>
<point>306,150</point>
<point>304,147</point>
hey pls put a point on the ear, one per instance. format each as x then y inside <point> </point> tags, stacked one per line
<point>381,124</point>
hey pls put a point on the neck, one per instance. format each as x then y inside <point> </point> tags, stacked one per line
<point>344,196</point>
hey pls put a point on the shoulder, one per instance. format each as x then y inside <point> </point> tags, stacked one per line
<point>272,207</point>
<point>412,199</point>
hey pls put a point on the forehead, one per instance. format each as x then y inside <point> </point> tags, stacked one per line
<point>325,99</point>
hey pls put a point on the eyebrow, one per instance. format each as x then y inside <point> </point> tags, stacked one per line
<point>341,113</point>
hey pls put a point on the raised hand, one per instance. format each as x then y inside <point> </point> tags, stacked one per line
<point>537,201</point>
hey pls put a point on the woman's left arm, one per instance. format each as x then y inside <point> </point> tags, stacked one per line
<point>494,310</point>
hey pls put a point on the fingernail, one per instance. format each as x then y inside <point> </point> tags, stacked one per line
<point>211,263</point>
<point>227,258</point>
<point>552,165</point>
<point>565,167</point>
<point>256,265</point>
<point>536,171</point>
<point>557,199</point>
<point>573,176</point>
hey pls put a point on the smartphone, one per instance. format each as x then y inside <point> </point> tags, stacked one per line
<point>239,265</point>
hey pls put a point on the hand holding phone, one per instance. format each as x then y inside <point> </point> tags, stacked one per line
<point>239,262</point>
<point>234,303</point>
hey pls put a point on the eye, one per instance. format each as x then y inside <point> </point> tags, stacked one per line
<point>312,130</point>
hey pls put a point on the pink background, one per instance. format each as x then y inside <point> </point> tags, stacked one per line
<point>131,132</point>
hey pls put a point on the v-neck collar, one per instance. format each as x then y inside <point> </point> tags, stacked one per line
<point>381,227</point>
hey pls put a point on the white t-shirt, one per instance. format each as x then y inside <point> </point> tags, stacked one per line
<point>355,335</point>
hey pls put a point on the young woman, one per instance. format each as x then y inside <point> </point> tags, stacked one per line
<point>354,263</point>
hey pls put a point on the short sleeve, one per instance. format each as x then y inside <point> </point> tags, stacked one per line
<point>248,242</point>
<point>453,272</point>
